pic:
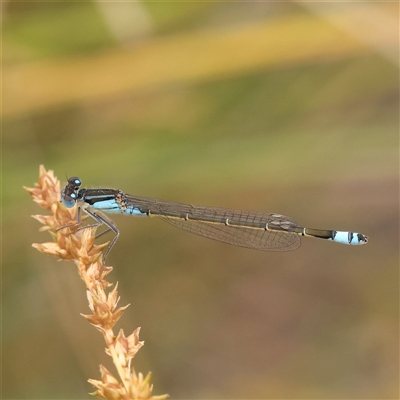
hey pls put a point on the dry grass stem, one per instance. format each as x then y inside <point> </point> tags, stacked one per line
<point>78,246</point>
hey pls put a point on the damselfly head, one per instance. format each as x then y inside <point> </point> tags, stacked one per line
<point>69,194</point>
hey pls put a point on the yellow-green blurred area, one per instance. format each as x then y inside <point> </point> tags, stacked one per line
<point>279,107</point>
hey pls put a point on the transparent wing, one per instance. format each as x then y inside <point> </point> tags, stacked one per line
<point>251,229</point>
<point>259,239</point>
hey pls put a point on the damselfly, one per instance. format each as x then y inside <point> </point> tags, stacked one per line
<point>251,229</point>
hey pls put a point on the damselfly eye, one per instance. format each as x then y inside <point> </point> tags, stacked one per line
<point>74,182</point>
<point>68,199</point>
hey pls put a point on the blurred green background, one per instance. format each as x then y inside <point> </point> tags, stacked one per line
<point>283,107</point>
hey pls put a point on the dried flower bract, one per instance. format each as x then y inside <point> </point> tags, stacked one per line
<point>77,245</point>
